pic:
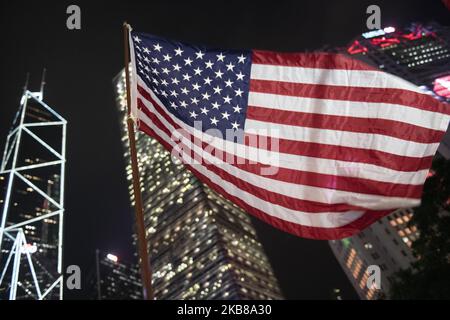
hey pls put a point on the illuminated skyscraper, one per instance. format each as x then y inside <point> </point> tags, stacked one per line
<point>32,203</point>
<point>116,279</point>
<point>385,243</point>
<point>421,55</point>
<point>201,245</point>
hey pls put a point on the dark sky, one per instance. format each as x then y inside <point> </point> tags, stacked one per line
<point>81,64</point>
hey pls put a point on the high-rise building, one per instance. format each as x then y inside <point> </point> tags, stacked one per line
<point>201,245</point>
<point>32,203</point>
<point>115,279</point>
<point>385,243</point>
<point>421,55</point>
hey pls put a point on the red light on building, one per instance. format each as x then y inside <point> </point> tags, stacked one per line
<point>384,42</point>
<point>412,36</point>
<point>442,87</point>
<point>418,32</point>
<point>356,48</point>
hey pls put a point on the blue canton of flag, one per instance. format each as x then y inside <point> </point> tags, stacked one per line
<point>197,85</point>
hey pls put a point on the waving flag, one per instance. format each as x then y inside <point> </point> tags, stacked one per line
<point>315,144</point>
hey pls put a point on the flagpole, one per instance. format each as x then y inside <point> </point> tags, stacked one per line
<point>146,273</point>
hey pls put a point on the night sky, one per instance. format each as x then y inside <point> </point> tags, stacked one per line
<point>80,67</point>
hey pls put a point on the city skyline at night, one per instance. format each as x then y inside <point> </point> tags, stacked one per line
<point>80,66</point>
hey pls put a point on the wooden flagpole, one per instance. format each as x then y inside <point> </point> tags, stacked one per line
<point>146,273</point>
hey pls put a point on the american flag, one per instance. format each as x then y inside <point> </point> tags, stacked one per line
<point>315,144</point>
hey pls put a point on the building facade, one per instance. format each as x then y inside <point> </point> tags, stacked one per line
<point>421,55</point>
<point>201,245</point>
<point>116,279</point>
<point>385,244</point>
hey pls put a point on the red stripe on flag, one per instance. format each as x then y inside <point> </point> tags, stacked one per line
<point>363,94</point>
<point>321,60</point>
<point>341,153</point>
<point>391,128</point>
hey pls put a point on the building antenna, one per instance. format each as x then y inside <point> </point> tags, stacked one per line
<point>22,101</point>
<point>41,91</point>
<point>25,86</point>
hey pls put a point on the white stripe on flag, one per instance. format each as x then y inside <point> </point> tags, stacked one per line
<point>334,77</point>
<point>370,110</point>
